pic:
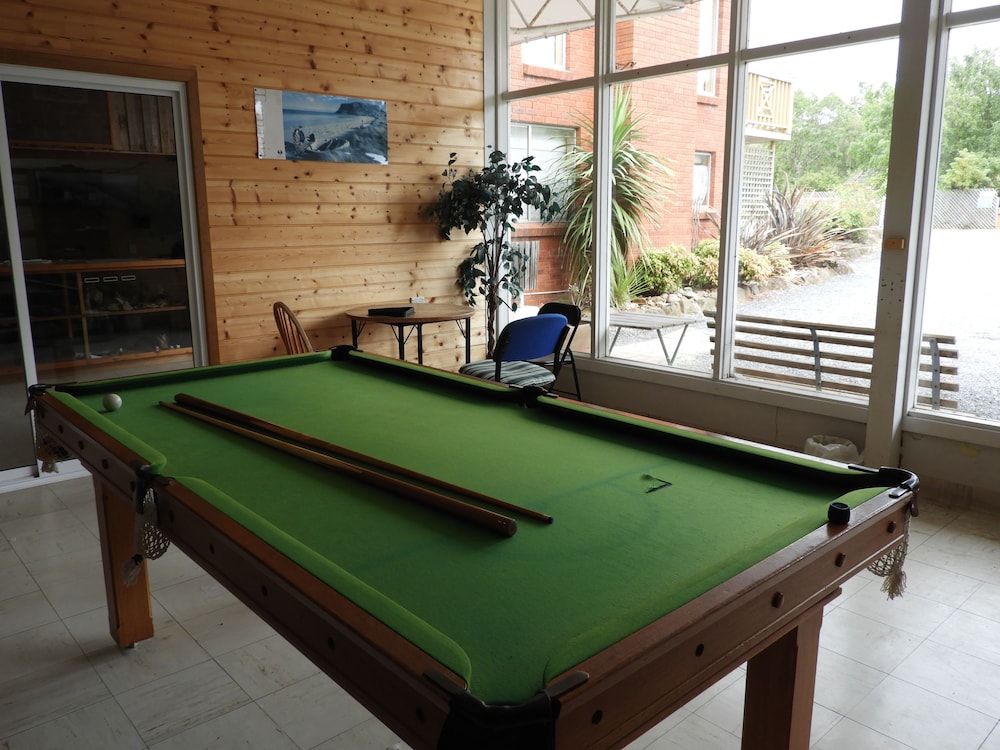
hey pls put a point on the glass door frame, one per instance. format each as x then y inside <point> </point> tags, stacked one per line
<point>177,91</point>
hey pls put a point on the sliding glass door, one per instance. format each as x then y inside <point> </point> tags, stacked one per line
<point>98,278</point>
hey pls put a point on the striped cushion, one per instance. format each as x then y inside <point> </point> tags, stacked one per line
<point>521,374</point>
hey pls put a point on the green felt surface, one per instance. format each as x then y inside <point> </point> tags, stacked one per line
<point>508,614</point>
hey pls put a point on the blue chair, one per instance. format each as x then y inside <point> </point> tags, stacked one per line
<point>573,317</point>
<point>521,340</point>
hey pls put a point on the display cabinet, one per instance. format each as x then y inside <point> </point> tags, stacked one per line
<point>93,315</point>
<point>98,201</point>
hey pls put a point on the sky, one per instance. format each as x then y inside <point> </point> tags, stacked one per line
<point>840,71</point>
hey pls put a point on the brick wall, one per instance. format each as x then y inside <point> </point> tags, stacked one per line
<point>676,121</point>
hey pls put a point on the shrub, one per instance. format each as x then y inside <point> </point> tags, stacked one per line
<point>668,270</point>
<point>797,220</point>
<point>857,213</point>
<point>674,267</point>
<point>754,265</point>
<point>707,274</point>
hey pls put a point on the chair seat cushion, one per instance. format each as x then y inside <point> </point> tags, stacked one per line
<point>521,374</point>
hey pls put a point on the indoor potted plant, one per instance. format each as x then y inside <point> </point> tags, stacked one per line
<point>491,200</point>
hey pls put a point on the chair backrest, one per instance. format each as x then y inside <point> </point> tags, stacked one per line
<point>573,315</point>
<point>292,333</point>
<point>572,312</point>
<point>531,338</point>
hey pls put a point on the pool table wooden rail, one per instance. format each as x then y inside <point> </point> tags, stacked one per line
<point>768,616</point>
<point>384,672</point>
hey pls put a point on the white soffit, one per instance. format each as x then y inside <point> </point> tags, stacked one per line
<point>534,19</point>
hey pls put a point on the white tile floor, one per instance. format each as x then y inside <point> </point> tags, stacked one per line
<point>919,672</point>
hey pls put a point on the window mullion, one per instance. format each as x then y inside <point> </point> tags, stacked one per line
<point>601,255</point>
<point>731,177</point>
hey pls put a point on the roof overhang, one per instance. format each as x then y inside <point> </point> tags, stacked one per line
<point>534,19</point>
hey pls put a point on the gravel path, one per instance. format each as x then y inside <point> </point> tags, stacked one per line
<point>963,299</point>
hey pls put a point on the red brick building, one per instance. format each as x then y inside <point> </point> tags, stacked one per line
<point>682,121</point>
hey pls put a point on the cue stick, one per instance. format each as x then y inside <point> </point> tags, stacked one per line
<point>301,438</point>
<point>480,516</point>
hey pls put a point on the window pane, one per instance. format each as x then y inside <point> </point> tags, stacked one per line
<point>812,185</point>
<point>550,41</point>
<point>957,5</point>
<point>17,448</point>
<point>548,146</point>
<point>667,146</point>
<point>961,309</point>
<point>775,21</point>
<point>548,52</point>
<point>550,128</point>
<point>554,41</point>
<point>99,218</point>
<point>668,33</point>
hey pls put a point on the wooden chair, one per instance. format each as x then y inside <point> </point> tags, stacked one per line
<point>292,334</point>
<point>521,341</point>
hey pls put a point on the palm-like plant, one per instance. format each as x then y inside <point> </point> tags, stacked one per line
<point>638,182</point>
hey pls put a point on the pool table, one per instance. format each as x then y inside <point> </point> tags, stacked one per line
<point>649,561</point>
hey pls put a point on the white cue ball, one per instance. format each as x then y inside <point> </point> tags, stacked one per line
<point>112,402</point>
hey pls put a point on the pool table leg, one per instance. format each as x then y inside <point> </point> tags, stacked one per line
<point>129,612</point>
<point>781,683</point>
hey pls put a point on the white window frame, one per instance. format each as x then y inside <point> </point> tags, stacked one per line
<point>702,177</point>
<point>921,60</point>
<point>177,92</point>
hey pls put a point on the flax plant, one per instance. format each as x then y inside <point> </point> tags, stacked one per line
<point>638,184</point>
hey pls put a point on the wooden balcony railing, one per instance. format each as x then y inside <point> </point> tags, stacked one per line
<point>768,108</point>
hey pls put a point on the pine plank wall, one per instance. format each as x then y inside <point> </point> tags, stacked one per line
<point>323,237</point>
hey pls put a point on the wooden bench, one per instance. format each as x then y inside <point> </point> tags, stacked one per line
<point>834,357</point>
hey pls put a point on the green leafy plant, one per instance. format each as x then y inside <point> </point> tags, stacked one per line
<point>637,185</point>
<point>627,280</point>
<point>669,269</point>
<point>490,201</point>
<point>806,227</point>
<point>753,266</point>
<point>855,218</point>
<point>967,171</point>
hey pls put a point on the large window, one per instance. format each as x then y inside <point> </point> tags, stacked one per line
<point>756,233</point>
<point>808,235</point>
<point>961,310</point>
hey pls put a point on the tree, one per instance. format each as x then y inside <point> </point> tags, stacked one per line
<point>971,120</point>
<point>490,201</point>
<point>835,142</point>
<point>968,171</point>
<point>823,129</point>
<point>869,152</point>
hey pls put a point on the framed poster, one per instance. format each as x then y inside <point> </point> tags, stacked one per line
<point>318,127</point>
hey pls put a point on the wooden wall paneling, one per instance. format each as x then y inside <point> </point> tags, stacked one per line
<point>151,124</point>
<point>322,236</point>
<point>119,121</point>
